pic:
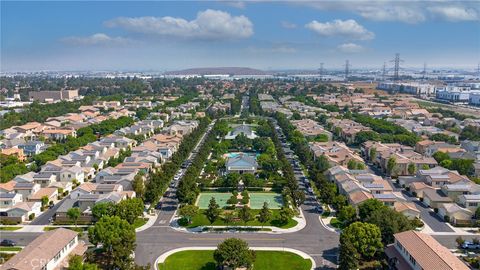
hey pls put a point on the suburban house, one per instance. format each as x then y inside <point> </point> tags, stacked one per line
<point>408,209</point>
<point>414,250</point>
<point>31,148</point>
<point>50,193</point>
<point>241,163</point>
<point>244,129</point>
<point>455,214</point>
<point>48,251</point>
<point>21,212</point>
<point>337,153</point>
<point>434,198</point>
<point>26,189</point>
<point>8,200</point>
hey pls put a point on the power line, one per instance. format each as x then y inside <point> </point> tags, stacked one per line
<point>396,66</point>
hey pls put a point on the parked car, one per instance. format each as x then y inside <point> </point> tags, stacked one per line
<point>8,243</point>
<point>320,209</point>
<point>470,245</point>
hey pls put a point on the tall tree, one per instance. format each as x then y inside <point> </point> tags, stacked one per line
<point>188,211</point>
<point>130,209</point>
<point>391,165</point>
<point>234,253</point>
<point>213,210</point>
<point>73,214</point>
<point>117,238</point>
<point>100,210</point>
<point>245,214</point>
<point>265,215</point>
<point>369,206</point>
<point>348,257</point>
<point>347,214</point>
<point>365,237</point>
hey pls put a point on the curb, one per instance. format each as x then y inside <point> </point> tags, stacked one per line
<point>300,253</point>
<point>150,223</point>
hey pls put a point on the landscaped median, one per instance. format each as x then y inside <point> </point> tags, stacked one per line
<point>201,258</point>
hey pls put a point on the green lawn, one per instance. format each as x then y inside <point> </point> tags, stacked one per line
<point>265,260</point>
<point>201,220</point>
<point>139,222</point>
<point>336,223</point>
<point>10,228</point>
<point>10,248</point>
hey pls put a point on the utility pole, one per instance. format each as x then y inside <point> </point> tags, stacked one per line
<point>384,71</point>
<point>347,69</point>
<point>396,66</point>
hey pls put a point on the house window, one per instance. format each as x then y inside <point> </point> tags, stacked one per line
<point>412,260</point>
<point>473,204</point>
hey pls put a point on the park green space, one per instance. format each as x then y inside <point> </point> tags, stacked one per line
<point>257,199</point>
<point>201,220</point>
<point>265,260</point>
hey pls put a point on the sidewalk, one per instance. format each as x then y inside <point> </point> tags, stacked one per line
<point>150,222</point>
<point>301,223</point>
<point>326,221</point>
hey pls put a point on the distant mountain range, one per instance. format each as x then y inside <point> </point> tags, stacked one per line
<point>218,71</point>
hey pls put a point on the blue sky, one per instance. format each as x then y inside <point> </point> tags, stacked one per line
<point>122,35</point>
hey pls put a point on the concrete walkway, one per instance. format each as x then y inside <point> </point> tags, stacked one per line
<point>326,221</point>
<point>301,223</point>
<point>302,254</point>
<point>150,222</point>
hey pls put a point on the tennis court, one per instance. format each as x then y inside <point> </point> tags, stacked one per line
<point>274,200</point>
<point>204,199</point>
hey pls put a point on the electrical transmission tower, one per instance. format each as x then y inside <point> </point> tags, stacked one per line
<point>384,71</point>
<point>347,69</point>
<point>424,73</point>
<point>320,70</point>
<point>396,66</point>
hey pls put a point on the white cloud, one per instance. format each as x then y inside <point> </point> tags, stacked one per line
<point>455,13</point>
<point>96,39</point>
<point>235,4</point>
<point>288,25</point>
<point>208,25</point>
<point>350,48</point>
<point>403,11</point>
<point>281,49</point>
<point>348,28</point>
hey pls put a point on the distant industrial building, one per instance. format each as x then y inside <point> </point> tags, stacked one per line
<point>466,93</point>
<point>53,96</point>
<point>409,88</point>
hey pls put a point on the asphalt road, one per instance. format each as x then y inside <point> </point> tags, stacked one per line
<point>44,218</point>
<point>313,239</point>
